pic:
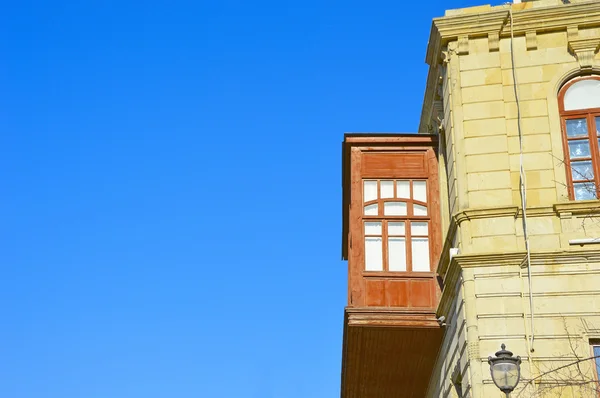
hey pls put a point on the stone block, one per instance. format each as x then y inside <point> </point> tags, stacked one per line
<point>527,92</point>
<point>494,226</point>
<point>539,226</point>
<point>534,74</point>
<point>484,127</point>
<point>483,110</point>
<point>479,60</point>
<point>488,162</point>
<point>552,40</point>
<point>489,180</point>
<point>536,58</point>
<point>483,145</point>
<point>480,77</point>
<point>532,161</point>
<point>529,125</point>
<point>532,108</point>
<point>531,143</point>
<point>541,196</point>
<point>493,92</point>
<point>491,197</point>
<point>491,244</point>
<point>534,179</point>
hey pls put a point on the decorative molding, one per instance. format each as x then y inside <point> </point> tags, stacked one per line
<point>494,41</point>
<point>391,317</point>
<point>585,50</point>
<point>577,208</point>
<point>531,40</point>
<point>490,212</point>
<point>463,45</point>
<point>543,19</point>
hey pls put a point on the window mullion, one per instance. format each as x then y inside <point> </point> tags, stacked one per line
<point>407,228</point>
<point>595,152</point>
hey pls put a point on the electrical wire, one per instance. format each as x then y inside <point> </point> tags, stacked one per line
<point>522,181</point>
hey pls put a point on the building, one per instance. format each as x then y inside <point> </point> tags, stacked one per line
<point>484,228</point>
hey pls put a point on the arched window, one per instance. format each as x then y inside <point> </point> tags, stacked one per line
<point>579,103</point>
<point>396,225</point>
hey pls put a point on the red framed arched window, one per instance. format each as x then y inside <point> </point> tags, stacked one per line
<point>579,105</point>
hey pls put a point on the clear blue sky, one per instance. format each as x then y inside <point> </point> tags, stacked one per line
<point>170,207</point>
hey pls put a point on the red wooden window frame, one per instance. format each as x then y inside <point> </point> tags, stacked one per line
<point>591,116</point>
<point>407,219</point>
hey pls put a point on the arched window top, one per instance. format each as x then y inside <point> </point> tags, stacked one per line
<point>583,93</point>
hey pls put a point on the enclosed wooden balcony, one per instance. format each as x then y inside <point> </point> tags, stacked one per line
<point>391,239</point>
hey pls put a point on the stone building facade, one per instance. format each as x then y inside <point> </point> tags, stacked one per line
<point>505,95</point>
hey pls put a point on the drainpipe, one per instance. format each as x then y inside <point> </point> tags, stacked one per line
<point>472,333</point>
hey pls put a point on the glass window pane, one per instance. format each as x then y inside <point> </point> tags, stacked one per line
<point>387,189</point>
<point>370,190</point>
<point>597,359</point>
<point>584,191</point>
<point>420,191</point>
<point>403,189</point>
<point>420,255</point>
<point>582,170</point>
<point>397,254</point>
<point>579,149</point>
<point>583,95</point>
<point>371,210</point>
<point>396,228</point>
<point>419,210</point>
<point>394,208</point>
<point>372,228</point>
<point>576,128</point>
<point>373,254</point>
<point>419,228</point>
<point>598,125</point>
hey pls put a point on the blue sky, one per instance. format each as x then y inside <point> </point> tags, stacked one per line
<point>171,188</point>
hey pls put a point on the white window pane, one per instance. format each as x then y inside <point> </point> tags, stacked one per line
<point>394,208</point>
<point>370,190</point>
<point>387,189</point>
<point>403,189</point>
<point>371,210</point>
<point>396,228</point>
<point>419,210</point>
<point>397,254</point>
<point>373,254</point>
<point>420,191</point>
<point>420,255</point>
<point>583,95</point>
<point>419,228</point>
<point>372,228</point>
<point>584,191</point>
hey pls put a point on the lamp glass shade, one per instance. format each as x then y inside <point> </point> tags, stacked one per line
<point>505,374</point>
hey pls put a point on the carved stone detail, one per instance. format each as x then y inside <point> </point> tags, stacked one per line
<point>494,41</point>
<point>463,45</point>
<point>531,40</point>
<point>584,48</point>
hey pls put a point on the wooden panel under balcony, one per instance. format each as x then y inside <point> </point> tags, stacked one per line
<point>388,352</point>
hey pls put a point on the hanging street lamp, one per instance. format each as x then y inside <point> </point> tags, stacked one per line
<point>505,370</point>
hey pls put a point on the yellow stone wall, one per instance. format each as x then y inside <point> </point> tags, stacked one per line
<point>470,100</point>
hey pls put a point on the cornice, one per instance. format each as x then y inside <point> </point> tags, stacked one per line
<point>579,208</point>
<point>513,259</point>
<point>490,212</point>
<point>494,24</point>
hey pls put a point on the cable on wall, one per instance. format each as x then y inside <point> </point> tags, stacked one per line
<point>522,181</point>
